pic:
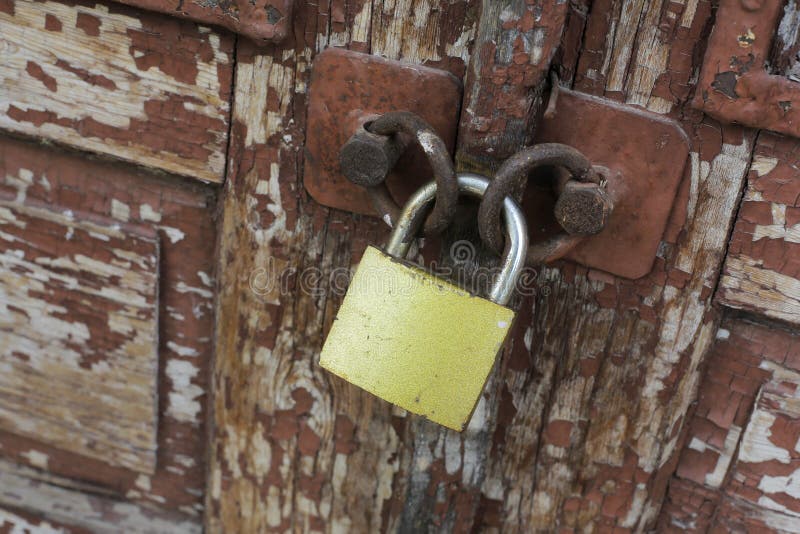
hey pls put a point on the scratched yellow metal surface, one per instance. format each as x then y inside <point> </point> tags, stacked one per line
<point>415,340</point>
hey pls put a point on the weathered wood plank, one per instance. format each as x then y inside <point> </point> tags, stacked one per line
<point>25,489</point>
<point>79,334</point>
<point>142,87</point>
<point>783,57</point>
<point>768,459</point>
<point>739,468</point>
<point>739,515</point>
<point>21,523</point>
<point>762,270</point>
<point>264,21</point>
<point>294,448</point>
<point>594,391</point>
<point>515,43</point>
<point>180,212</point>
<point>583,419</point>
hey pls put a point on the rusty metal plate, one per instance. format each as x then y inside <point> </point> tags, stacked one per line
<point>734,85</point>
<point>344,82</point>
<point>263,21</point>
<point>646,153</point>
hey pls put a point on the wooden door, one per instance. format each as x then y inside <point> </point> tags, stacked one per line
<point>153,382</point>
<point>115,124</point>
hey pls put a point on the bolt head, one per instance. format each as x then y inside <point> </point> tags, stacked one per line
<point>364,162</point>
<point>583,208</point>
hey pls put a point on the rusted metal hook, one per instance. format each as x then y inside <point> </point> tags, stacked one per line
<point>582,208</point>
<point>373,150</point>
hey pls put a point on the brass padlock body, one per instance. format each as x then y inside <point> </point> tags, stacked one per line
<point>415,340</point>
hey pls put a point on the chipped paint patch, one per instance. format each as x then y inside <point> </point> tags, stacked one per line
<point>763,165</point>
<point>67,85</point>
<point>36,458</point>
<point>23,489</point>
<point>19,525</point>
<point>120,210</point>
<point>114,254</point>
<point>174,234</point>
<point>183,398</point>
<point>747,284</point>
<point>756,444</point>
<point>715,478</point>
<point>181,350</point>
<point>147,213</point>
<point>143,483</point>
<point>761,271</point>
<point>83,312</point>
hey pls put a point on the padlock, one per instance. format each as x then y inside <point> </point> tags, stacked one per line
<point>414,339</point>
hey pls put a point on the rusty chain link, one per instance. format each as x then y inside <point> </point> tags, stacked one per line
<point>582,208</point>
<point>372,151</point>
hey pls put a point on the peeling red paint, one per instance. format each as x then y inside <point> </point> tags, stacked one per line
<point>21,522</point>
<point>174,77</point>
<point>88,23</point>
<point>558,433</point>
<point>734,85</point>
<point>157,131</point>
<point>715,470</point>
<point>167,44</point>
<point>264,21</point>
<point>504,86</point>
<point>35,70</point>
<point>51,23</point>
<point>94,79</point>
<point>763,251</point>
<point>69,181</point>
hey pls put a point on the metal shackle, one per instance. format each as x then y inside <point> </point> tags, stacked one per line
<point>474,185</point>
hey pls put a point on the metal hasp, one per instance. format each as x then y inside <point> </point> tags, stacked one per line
<point>645,155</point>
<point>734,85</point>
<point>582,207</point>
<point>348,89</point>
<point>263,21</point>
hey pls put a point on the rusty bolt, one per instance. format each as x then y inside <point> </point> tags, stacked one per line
<point>366,158</point>
<point>583,208</point>
<point>752,5</point>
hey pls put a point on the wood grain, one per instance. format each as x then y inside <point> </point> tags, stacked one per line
<point>79,332</point>
<point>594,391</point>
<point>124,199</point>
<point>514,45</point>
<point>762,270</point>
<point>141,87</point>
<point>736,468</point>
<point>293,447</point>
<point>26,524</point>
<point>61,501</point>
<point>581,424</point>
